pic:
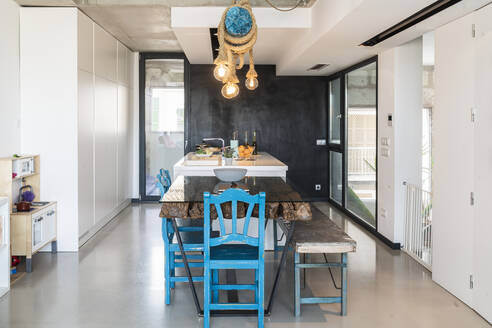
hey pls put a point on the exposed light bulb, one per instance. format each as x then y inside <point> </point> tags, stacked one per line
<point>221,71</point>
<point>251,83</point>
<point>230,90</point>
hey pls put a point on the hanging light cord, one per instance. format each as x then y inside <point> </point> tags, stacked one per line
<point>280,9</point>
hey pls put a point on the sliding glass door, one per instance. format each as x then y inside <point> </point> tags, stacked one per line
<point>335,141</point>
<point>352,140</point>
<point>360,149</point>
<point>163,111</point>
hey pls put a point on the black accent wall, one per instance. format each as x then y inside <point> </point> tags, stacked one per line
<point>288,113</point>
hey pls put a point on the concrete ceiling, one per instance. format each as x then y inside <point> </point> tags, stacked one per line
<point>322,32</point>
<point>144,25</point>
<point>330,32</point>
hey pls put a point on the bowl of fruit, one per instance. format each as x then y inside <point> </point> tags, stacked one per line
<point>245,152</point>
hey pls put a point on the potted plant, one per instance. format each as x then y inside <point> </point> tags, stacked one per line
<point>228,154</point>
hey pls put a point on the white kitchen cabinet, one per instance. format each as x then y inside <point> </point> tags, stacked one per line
<point>105,54</point>
<point>85,151</point>
<point>85,54</point>
<point>106,111</point>
<point>462,148</point>
<point>71,103</point>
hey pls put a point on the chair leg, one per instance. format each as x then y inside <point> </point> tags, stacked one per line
<point>206,296</point>
<point>297,286</point>
<point>257,284</point>
<point>261,292</point>
<point>275,243</point>
<point>215,281</point>
<point>172,267</point>
<point>167,268</point>
<point>304,271</point>
<point>344,285</point>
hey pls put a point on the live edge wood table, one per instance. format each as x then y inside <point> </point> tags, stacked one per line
<point>184,200</point>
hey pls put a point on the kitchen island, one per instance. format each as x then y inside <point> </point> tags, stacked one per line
<point>261,165</point>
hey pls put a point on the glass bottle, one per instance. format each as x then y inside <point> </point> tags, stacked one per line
<point>254,144</point>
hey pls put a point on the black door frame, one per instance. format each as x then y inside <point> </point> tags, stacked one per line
<point>343,150</point>
<point>141,92</point>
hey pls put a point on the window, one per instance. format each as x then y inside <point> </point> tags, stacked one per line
<point>352,139</point>
<point>162,117</point>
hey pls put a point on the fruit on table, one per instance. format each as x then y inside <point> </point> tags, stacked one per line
<point>245,151</point>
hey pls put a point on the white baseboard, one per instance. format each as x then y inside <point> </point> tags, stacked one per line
<point>101,223</point>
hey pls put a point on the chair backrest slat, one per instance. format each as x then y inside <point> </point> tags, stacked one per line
<point>251,206</point>
<point>220,217</point>
<point>234,196</point>
<point>234,216</point>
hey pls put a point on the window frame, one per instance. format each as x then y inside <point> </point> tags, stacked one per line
<point>342,147</point>
<point>141,102</point>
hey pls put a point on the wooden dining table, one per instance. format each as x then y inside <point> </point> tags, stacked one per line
<point>184,200</point>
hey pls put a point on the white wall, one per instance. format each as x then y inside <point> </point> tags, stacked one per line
<point>407,122</point>
<point>399,94</point>
<point>9,79</point>
<point>48,59</point>
<point>386,165</point>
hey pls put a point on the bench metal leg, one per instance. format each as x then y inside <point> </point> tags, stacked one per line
<point>298,300</point>
<point>297,285</point>
<point>344,285</point>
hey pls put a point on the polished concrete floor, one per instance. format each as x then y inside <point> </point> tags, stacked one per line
<point>116,280</point>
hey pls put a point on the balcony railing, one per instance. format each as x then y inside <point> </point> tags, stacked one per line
<point>361,161</point>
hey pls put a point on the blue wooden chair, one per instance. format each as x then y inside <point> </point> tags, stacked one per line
<point>192,237</point>
<point>246,253</point>
<point>163,181</point>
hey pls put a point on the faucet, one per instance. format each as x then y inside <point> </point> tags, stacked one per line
<point>220,139</point>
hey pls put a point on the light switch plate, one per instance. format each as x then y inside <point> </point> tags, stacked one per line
<point>385,152</point>
<point>320,142</point>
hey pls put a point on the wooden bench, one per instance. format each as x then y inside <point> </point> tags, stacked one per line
<point>320,236</point>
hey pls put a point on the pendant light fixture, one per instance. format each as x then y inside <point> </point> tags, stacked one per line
<point>236,33</point>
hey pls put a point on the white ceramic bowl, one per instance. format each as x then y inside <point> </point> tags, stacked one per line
<point>230,174</point>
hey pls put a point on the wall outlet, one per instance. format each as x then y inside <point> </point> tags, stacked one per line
<point>317,187</point>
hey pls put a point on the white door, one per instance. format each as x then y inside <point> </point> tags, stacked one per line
<point>452,148</point>
<point>482,289</point>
